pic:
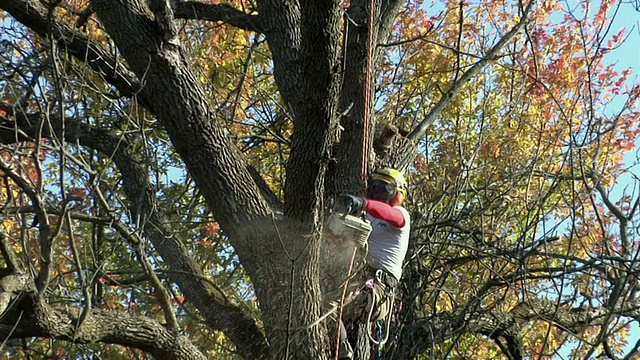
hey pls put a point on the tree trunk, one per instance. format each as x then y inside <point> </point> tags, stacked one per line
<point>346,172</point>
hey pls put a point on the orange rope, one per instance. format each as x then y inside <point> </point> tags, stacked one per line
<point>365,150</point>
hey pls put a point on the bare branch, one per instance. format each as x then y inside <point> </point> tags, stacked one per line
<point>46,235</point>
<point>10,257</point>
<point>34,15</point>
<point>446,325</point>
<point>160,290</point>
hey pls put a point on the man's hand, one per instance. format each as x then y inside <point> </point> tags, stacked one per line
<point>351,205</point>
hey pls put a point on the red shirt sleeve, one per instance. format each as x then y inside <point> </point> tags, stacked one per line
<point>386,212</point>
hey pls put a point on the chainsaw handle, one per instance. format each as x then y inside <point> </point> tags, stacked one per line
<point>351,205</point>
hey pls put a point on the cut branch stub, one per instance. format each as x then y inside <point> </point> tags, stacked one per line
<point>393,149</point>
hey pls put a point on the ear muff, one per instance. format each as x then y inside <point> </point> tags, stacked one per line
<point>399,198</point>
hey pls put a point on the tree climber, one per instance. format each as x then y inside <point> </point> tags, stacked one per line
<point>371,298</point>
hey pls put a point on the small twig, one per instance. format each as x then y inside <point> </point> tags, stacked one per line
<point>99,220</point>
<point>83,17</point>
<point>6,339</point>
<point>13,264</point>
<point>160,290</point>
<point>457,86</point>
<point>81,278</point>
<point>45,236</point>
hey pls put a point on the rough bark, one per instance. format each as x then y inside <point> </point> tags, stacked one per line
<point>218,12</point>
<point>225,178</point>
<point>303,38</point>
<point>30,316</point>
<point>25,313</point>
<point>146,41</point>
<point>392,149</point>
<point>182,107</point>
<point>280,256</point>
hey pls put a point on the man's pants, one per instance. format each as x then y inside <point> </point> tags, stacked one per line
<point>369,298</point>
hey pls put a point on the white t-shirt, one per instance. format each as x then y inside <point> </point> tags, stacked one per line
<point>388,245</point>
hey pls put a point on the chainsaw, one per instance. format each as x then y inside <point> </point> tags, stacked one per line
<point>349,227</point>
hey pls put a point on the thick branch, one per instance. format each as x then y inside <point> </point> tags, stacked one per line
<point>33,317</point>
<point>34,15</point>
<point>203,143</point>
<point>192,10</point>
<point>346,175</point>
<point>422,334</point>
<point>46,235</point>
<point>10,257</point>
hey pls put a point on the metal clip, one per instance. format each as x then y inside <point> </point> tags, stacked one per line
<point>369,284</point>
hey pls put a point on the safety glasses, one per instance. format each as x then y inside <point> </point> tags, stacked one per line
<point>377,185</point>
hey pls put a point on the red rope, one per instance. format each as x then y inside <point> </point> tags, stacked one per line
<point>365,149</point>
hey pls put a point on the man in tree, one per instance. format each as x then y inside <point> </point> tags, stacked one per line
<point>388,243</point>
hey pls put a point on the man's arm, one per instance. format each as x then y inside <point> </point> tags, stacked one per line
<point>386,212</point>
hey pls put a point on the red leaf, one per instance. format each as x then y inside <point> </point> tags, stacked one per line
<point>212,228</point>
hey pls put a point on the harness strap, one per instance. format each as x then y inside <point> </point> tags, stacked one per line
<point>381,277</point>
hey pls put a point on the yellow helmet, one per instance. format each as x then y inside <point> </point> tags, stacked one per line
<point>388,176</point>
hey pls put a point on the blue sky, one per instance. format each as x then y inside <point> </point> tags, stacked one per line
<point>628,55</point>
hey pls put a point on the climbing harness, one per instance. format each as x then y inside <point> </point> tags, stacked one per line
<point>390,296</point>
